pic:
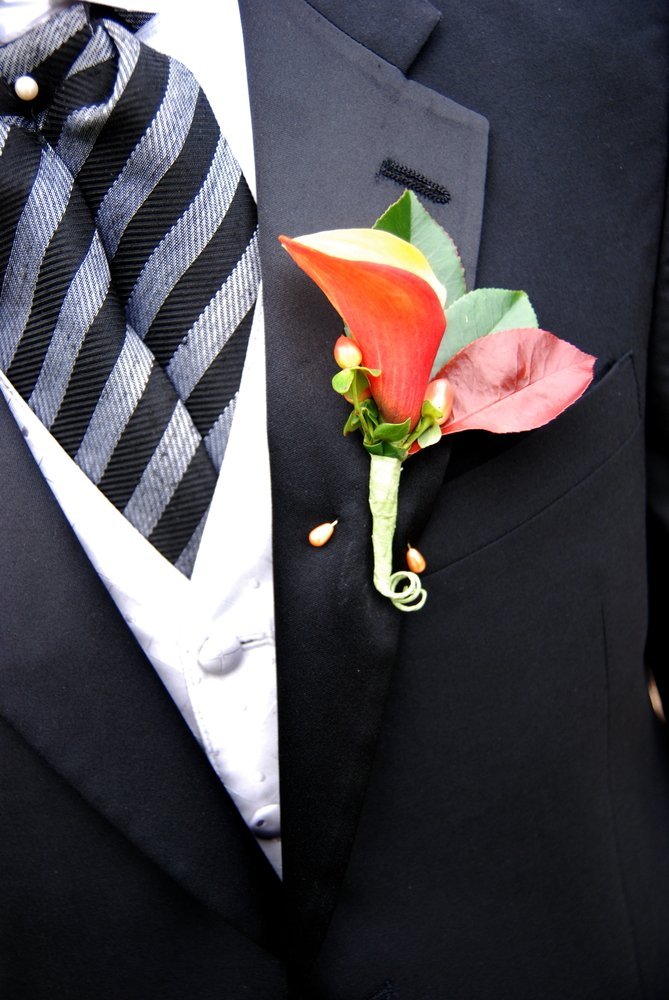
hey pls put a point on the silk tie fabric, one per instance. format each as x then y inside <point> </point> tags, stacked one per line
<point>128,266</point>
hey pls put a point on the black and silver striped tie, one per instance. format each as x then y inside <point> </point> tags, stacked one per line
<point>128,268</point>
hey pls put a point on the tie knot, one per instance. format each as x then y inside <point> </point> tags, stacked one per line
<point>46,53</point>
<point>84,72</point>
<point>35,67</point>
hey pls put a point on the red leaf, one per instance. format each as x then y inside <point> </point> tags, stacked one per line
<point>395,317</point>
<point>514,380</point>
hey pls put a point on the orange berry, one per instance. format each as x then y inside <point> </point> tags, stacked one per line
<point>440,393</point>
<point>415,561</point>
<point>321,534</point>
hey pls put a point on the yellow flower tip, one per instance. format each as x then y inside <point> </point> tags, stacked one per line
<point>322,533</point>
<point>373,246</point>
<point>415,560</point>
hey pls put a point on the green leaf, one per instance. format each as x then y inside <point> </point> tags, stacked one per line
<point>352,424</point>
<point>408,219</point>
<point>423,424</point>
<point>394,451</point>
<point>479,313</point>
<point>430,436</point>
<point>386,449</point>
<point>342,381</point>
<point>370,410</point>
<point>359,384</point>
<point>392,432</point>
<point>429,410</point>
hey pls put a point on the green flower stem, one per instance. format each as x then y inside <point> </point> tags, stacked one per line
<point>358,410</point>
<point>403,588</point>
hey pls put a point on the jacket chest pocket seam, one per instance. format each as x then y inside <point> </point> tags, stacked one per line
<point>612,404</point>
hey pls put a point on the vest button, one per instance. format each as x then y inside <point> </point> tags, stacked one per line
<point>220,657</point>
<point>266,822</point>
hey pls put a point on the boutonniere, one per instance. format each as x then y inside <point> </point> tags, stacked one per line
<point>420,357</point>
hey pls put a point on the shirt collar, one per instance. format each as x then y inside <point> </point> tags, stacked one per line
<point>19,16</point>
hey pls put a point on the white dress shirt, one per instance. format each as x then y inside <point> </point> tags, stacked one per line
<point>210,638</point>
<point>17,16</point>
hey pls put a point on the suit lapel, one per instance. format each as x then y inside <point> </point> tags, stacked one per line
<point>76,686</point>
<point>327,111</point>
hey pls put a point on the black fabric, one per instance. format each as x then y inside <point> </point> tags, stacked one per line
<point>143,936</point>
<point>657,436</point>
<point>557,167</point>
<point>475,798</point>
<point>394,30</point>
<point>333,675</point>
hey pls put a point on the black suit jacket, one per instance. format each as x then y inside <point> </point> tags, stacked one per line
<point>474,798</point>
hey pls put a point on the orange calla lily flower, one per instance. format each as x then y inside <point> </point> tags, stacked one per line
<point>389,297</point>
